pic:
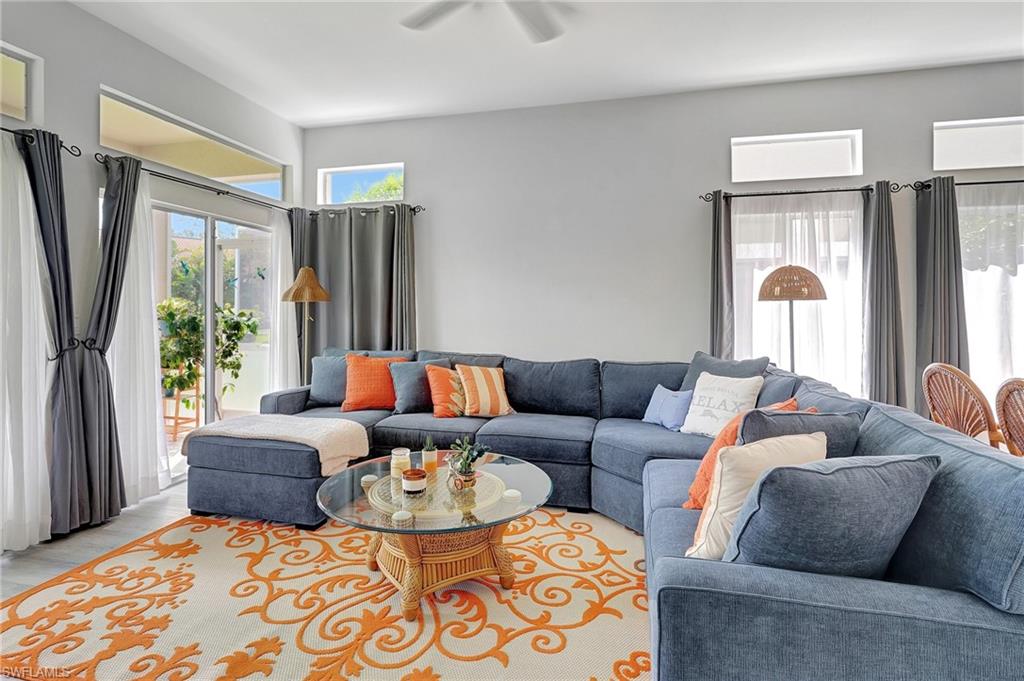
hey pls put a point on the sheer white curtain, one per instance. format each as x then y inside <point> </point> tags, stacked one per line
<point>24,343</point>
<point>134,359</point>
<point>284,343</point>
<point>825,234</point>
<point>991,220</point>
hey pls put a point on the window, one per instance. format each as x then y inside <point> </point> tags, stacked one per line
<point>824,233</point>
<point>133,130</point>
<point>983,143</point>
<point>791,157</point>
<point>14,85</point>
<point>991,220</point>
<point>358,184</point>
<point>20,84</point>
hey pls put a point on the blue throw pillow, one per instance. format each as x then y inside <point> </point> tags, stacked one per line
<point>730,368</point>
<point>776,388</point>
<point>412,390</point>
<point>841,430</point>
<point>668,407</point>
<point>327,385</point>
<point>833,517</point>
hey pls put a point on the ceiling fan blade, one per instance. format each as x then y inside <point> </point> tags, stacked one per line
<point>432,13</point>
<point>535,19</point>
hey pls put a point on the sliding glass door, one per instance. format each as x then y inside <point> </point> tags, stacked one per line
<point>243,298</point>
<point>214,296</point>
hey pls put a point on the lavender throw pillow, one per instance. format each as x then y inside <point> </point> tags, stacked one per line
<point>668,407</point>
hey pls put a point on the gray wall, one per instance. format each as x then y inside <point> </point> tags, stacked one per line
<point>80,53</point>
<point>576,230</point>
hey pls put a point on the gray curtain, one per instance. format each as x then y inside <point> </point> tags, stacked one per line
<point>403,278</point>
<point>69,477</point>
<point>941,320</point>
<point>883,327</point>
<point>303,233</point>
<point>364,258</point>
<point>722,313</point>
<point>102,450</point>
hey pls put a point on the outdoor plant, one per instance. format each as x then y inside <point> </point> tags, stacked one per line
<point>464,454</point>
<point>181,343</point>
<point>232,328</point>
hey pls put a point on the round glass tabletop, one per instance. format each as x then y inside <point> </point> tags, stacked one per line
<point>367,496</point>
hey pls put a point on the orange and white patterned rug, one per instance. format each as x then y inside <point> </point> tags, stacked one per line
<point>220,599</point>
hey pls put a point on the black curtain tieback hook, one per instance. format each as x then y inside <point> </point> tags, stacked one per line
<point>90,344</point>
<point>72,344</point>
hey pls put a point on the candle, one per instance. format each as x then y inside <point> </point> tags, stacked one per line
<point>401,519</point>
<point>512,497</point>
<point>400,461</point>
<point>414,481</point>
<point>430,461</point>
<point>367,482</point>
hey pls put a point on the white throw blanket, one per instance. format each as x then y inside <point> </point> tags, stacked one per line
<point>337,441</point>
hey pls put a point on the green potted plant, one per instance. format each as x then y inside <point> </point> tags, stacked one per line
<point>461,462</point>
<point>182,344</point>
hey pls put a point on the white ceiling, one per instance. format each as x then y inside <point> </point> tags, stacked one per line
<point>342,62</point>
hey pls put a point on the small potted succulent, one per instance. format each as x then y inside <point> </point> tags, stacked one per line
<point>461,462</point>
<point>429,454</point>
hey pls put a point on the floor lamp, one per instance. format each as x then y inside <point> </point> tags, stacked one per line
<point>306,290</point>
<point>789,283</point>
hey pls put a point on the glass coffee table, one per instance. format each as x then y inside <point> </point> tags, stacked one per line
<point>427,541</point>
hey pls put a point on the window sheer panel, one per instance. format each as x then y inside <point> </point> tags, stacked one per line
<point>24,346</point>
<point>992,249</point>
<point>824,233</point>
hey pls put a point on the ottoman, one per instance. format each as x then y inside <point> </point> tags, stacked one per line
<point>264,479</point>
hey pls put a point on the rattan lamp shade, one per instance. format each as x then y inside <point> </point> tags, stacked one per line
<point>306,289</point>
<point>792,282</point>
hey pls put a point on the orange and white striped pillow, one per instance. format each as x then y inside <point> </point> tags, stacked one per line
<point>446,392</point>
<point>485,390</point>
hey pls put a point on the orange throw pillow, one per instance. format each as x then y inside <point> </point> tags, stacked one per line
<point>446,393</point>
<point>485,390</point>
<point>369,384</point>
<point>726,438</point>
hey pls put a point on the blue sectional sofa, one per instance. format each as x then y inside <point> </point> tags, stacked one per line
<point>951,606</point>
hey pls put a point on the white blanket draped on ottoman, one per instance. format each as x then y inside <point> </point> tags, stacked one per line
<point>337,441</point>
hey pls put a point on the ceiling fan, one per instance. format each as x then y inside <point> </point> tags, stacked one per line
<point>534,16</point>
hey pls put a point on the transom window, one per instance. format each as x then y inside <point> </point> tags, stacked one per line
<point>133,130</point>
<point>20,81</point>
<point>837,153</point>
<point>361,184</point>
<point>981,143</point>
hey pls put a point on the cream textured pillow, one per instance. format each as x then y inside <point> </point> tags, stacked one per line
<point>736,471</point>
<point>717,399</point>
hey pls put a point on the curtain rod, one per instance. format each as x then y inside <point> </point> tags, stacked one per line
<point>919,185</point>
<point>224,192</point>
<point>31,139</point>
<point>101,158</point>
<point>416,210</point>
<point>710,195</point>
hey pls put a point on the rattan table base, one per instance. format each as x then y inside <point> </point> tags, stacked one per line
<point>419,564</point>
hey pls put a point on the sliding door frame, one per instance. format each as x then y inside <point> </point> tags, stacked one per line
<point>210,283</point>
